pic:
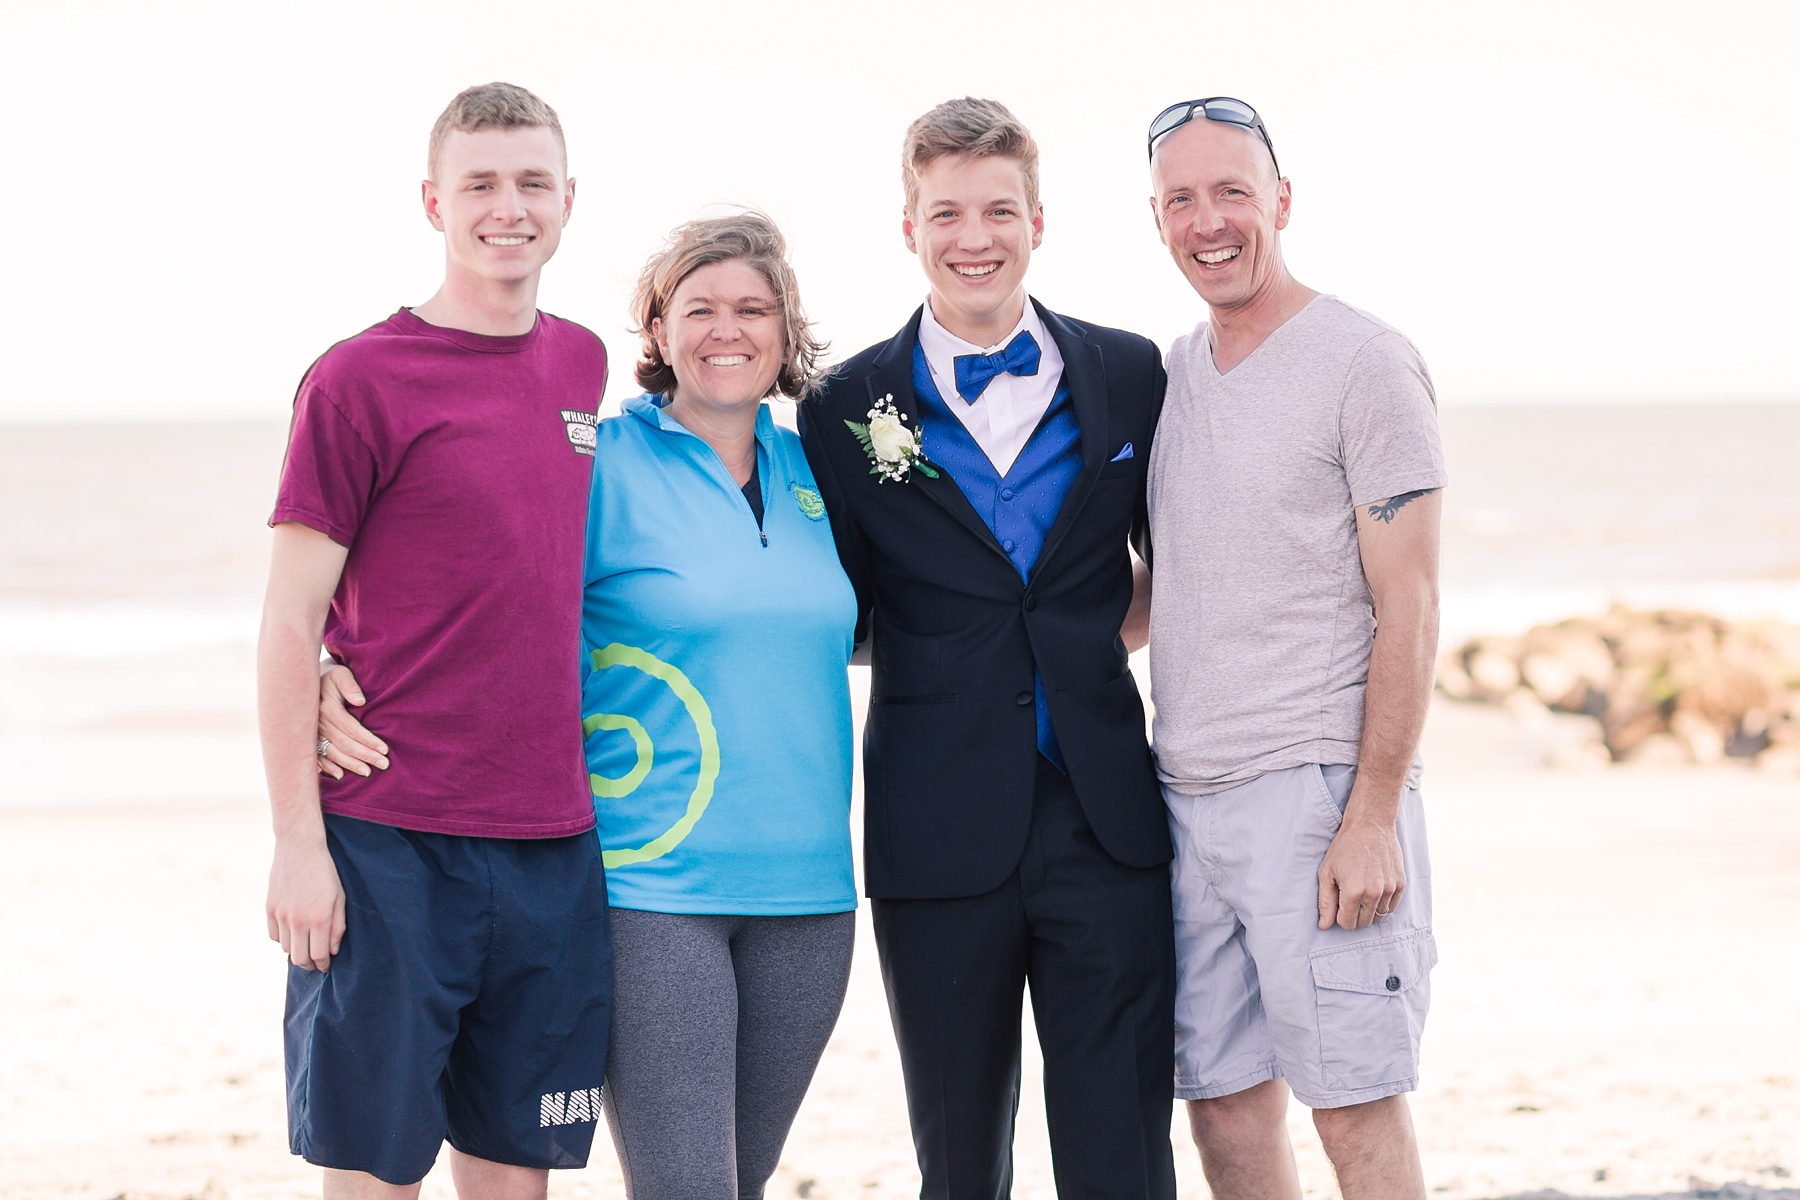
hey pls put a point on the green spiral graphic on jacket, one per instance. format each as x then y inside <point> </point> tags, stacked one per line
<point>607,788</point>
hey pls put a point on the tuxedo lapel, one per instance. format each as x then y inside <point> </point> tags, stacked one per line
<point>1084,374</point>
<point>892,376</point>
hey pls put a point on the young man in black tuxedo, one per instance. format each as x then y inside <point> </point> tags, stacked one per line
<point>983,472</point>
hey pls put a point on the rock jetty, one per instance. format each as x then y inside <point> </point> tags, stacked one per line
<point>1664,686</point>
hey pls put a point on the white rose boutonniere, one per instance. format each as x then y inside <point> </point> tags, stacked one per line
<point>893,449</point>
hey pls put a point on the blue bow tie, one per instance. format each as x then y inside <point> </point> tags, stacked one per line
<point>975,371</point>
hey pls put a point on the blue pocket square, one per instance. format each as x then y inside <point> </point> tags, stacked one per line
<point>1124,454</point>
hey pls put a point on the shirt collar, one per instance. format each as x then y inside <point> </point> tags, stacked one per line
<point>649,409</point>
<point>940,341</point>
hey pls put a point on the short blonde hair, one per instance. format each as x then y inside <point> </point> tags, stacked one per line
<point>492,106</point>
<point>749,237</point>
<point>978,128</point>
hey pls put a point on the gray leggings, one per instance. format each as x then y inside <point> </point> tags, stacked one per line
<point>718,1024</point>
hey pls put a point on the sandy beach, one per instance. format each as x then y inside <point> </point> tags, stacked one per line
<point>1617,1011</point>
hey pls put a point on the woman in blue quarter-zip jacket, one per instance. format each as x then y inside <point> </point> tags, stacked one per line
<point>717,628</point>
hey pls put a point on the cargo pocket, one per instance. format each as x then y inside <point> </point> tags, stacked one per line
<point>1372,999</point>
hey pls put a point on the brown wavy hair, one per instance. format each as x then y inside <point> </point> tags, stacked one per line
<point>749,237</point>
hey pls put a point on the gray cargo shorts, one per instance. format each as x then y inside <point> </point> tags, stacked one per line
<point>1261,991</point>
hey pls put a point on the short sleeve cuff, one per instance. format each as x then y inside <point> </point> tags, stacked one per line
<point>312,520</point>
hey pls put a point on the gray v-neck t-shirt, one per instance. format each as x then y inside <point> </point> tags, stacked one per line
<point>1261,622</point>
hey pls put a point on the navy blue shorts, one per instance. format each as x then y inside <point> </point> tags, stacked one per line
<point>471,999</point>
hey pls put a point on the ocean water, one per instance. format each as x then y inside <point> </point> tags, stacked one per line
<point>132,561</point>
<point>1555,511</point>
<point>1621,494</point>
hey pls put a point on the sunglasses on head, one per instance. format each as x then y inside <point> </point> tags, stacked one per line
<point>1213,108</point>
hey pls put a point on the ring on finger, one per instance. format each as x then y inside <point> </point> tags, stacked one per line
<point>322,747</point>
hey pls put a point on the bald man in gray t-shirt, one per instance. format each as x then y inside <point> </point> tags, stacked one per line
<point>1294,506</point>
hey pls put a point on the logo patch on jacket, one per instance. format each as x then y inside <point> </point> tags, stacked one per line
<point>810,502</point>
<point>580,428</point>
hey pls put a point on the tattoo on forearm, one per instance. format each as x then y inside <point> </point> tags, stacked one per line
<point>1384,512</point>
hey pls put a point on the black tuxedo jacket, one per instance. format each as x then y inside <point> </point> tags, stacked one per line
<point>950,748</point>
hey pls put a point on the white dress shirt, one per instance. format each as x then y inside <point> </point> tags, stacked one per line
<point>1003,419</point>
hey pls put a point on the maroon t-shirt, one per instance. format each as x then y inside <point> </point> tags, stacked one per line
<point>455,468</point>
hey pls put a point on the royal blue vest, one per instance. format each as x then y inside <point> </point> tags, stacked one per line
<point>1018,507</point>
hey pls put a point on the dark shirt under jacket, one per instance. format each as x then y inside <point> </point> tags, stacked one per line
<point>951,746</point>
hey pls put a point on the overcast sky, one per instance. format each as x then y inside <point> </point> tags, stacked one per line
<point>1556,201</point>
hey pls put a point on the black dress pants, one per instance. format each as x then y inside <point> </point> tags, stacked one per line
<point>1095,940</point>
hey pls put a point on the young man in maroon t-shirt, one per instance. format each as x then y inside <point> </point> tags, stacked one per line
<point>445,918</point>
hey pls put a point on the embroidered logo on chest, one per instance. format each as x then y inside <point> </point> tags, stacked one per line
<point>580,428</point>
<point>809,501</point>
